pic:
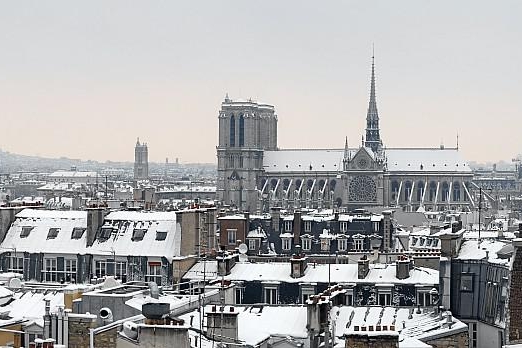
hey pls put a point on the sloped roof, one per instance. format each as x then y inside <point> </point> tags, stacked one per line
<point>426,160</point>
<point>301,160</point>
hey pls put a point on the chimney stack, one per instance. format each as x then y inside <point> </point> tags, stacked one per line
<point>402,267</point>
<point>363,267</point>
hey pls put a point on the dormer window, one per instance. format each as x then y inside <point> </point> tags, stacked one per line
<point>53,233</point>
<point>138,234</point>
<point>341,244</point>
<point>308,226</point>
<point>288,225</point>
<point>77,232</point>
<point>307,243</point>
<point>161,235</point>
<point>25,231</point>
<point>343,226</point>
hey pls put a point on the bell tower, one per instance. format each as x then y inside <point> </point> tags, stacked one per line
<point>246,129</point>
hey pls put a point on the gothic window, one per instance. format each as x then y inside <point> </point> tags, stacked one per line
<point>445,191</point>
<point>456,192</point>
<point>363,189</point>
<point>232,131</point>
<point>433,190</point>
<point>332,185</point>
<point>394,189</point>
<point>407,190</point>
<point>241,131</point>
<point>420,190</point>
<point>286,183</point>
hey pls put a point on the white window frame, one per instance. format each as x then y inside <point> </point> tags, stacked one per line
<point>342,244</point>
<point>306,291</point>
<point>424,296</point>
<point>231,236</point>
<point>50,270</point>
<point>252,245</point>
<point>387,297</point>
<point>286,243</point>
<point>120,269</point>
<point>288,225</point>
<point>153,272</point>
<point>358,244</point>
<point>271,294</point>
<point>306,243</point>
<point>343,226</point>
<point>16,264</point>
<point>308,226</point>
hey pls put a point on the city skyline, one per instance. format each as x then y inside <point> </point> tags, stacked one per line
<point>84,81</point>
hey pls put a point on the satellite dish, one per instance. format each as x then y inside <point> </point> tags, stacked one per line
<point>243,249</point>
<point>243,258</point>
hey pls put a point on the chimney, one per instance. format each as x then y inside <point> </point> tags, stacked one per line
<point>225,264</point>
<point>387,227</point>
<point>275,214</point>
<point>7,216</point>
<point>402,268</point>
<point>47,319</point>
<point>297,227</point>
<point>456,226</point>
<point>298,265</point>
<point>222,323</point>
<point>363,267</point>
<point>95,219</point>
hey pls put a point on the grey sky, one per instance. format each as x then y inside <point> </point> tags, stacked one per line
<point>83,80</point>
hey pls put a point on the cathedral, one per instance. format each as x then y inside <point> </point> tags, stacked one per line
<point>255,175</point>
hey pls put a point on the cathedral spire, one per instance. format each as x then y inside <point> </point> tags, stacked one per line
<point>373,139</point>
<point>346,150</point>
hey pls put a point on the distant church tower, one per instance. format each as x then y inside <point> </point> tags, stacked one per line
<point>246,128</point>
<point>141,161</point>
<point>373,138</point>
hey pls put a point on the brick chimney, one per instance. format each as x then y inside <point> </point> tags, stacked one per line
<point>222,320</point>
<point>297,227</point>
<point>225,264</point>
<point>95,219</point>
<point>363,267</point>
<point>387,227</point>
<point>298,265</point>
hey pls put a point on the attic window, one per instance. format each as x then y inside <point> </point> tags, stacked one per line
<point>77,232</point>
<point>53,233</point>
<point>138,234</point>
<point>161,235</point>
<point>25,231</point>
<point>105,233</point>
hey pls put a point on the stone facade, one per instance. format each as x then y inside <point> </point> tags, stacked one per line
<point>372,340</point>
<point>453,341</point>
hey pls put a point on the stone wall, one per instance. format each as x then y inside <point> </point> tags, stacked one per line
<point>454,341</point>
<point>79,332</point>
<point>371,340</point>
<point>106,339</point>
<point>515,296</point>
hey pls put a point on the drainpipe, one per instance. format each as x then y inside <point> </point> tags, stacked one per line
<point>91,338</point>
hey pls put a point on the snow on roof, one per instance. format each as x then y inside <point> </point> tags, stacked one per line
<point>41,221</point>
<point>301,160</point>
<point>63,173</point>
<point>420,326</point>
<point>255,325</point>
<point>124,224</point>
<point>425,160</point>
<point>340,273</point>
<point>31,305</point>
<point>257,233</point>
<point>471,250</point>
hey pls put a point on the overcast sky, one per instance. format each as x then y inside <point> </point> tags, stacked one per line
<point>85,79</point>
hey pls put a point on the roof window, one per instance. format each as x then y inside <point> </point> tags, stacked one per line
<point>77,232</point>
<point>161,235</point>
<point>25,231</point>
<point>138,234</point>
<point>105,233</point>
<point>53,233</point>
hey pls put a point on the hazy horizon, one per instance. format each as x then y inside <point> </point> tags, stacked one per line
<point>84,80</point>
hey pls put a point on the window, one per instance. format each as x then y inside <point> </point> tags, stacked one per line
<point>53,233</point>
<point>239,294</point>
<point>231,235</point>
<point>77,232</point>
<point>232,131</point>
<point>343,225</point>
<point>241,131</point>
<point>466,282</point>
<point>325,244</point>
<point>308,226</point>
<point>473,335</point>
<point>70,270</point>
<point>154,274</point>
<point>50,270</point>
<point>341,244</point>
<point>376,226</point>
<point>358,244</point>
<point>138,234</point>
<point>384,299</point>
<point>424,299</point>
<point>111,268</point>
<point>252,244</point>
<point>25,231</point>
<point>349,298</point>
<point>271,295</point>
<point>307,244</point>
<point>16,264</point>
<point>161,235</point>
<point>306,291</point>
<point>286,243</point>
<point>105,233</point>
<point>288,225</point>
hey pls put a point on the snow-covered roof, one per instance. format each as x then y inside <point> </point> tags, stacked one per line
<point>31,305</point>
<point>122,241</point>
<point>38,223</point>
<point>339,273</point>
<point>319,160</point>
<point>426,160</point>
<point>72,174</point>
<point>471,250</point>
<point>256,324</point>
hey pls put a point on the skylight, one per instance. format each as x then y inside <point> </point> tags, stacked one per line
<point>53,233</point>
<point>25,231</point>
<point>138,234</point>
<point>161,235</point>
<point>77,232</point>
